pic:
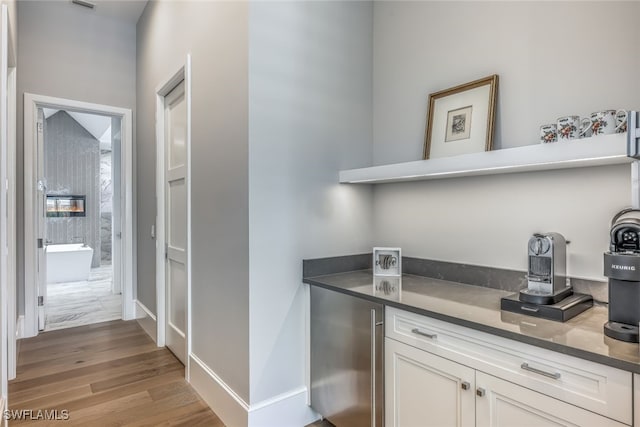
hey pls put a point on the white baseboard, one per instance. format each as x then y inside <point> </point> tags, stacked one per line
<point>285,410</point>
<point>20,327</point>
<point>146,319</point>
<point>231,408</point>
<point>3,407</point>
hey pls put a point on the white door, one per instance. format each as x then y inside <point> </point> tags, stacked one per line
<point>501,403</point>
<point>175,232</point>
<point>423,390</point>
<point>41,223</point>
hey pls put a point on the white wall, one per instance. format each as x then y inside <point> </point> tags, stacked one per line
<point>553,59</point>
<point>215,33</point>
<point>12,6</point>
<point>309,116</point>
<point>68,52</point>
<point>264,179</point>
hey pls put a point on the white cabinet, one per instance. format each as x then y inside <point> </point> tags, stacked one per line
<point>428,364</point>
<point>500,403</point>
<point>636,400</point>
<point>423,390</point>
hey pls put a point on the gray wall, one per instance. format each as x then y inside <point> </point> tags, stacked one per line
<point>554,59</point>
<point>72,166</point>
<point>67,52</point>
<point>310,116</point>
<point>215,33</point>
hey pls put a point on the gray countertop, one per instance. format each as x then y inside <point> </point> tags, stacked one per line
<point>479,308</point>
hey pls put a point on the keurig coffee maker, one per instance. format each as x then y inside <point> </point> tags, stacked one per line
<point>622,267</point>
<point>548,293</point>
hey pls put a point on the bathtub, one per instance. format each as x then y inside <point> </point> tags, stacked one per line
<point>68,263</point>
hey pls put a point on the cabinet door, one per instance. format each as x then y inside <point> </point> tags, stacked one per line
<point>501,403</point>
<point>423,390</point>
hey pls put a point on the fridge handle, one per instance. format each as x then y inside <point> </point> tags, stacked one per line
<point>373,367</point>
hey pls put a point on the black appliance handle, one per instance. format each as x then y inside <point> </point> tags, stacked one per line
<point>623,212</point>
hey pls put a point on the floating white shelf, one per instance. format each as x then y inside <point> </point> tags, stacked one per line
<point>596,151</point>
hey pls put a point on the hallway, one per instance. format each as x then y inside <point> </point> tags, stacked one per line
<point>105,374</point>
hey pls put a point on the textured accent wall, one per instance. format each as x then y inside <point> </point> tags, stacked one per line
<point>72,166</point>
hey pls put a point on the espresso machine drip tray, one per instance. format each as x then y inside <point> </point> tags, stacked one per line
<point>561,311</point>
<point>534,297</point>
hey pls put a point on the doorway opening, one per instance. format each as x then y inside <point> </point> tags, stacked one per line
<point>79,221</point>
<point>78,214</point>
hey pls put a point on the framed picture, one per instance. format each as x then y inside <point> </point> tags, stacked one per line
<point>460,119</point>
<point>387,262</point>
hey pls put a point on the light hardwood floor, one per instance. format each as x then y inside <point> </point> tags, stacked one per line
<point>105,374</point>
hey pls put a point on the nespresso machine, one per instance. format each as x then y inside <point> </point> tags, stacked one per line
<point>622,267</point>
<point>547,272</point>
<point>548,293</point>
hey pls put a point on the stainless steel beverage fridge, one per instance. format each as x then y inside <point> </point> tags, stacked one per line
<point>347,338</point>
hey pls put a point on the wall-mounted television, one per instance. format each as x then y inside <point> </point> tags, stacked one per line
<point>65,205</point>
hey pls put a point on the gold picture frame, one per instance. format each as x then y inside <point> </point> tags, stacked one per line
<point>460,120</point>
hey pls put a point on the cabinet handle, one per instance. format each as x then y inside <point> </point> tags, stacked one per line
<point>554,375</point>
<point>424,334</point>
<point>480,392</point>
<point>373,367</point>
<point>465,385</point>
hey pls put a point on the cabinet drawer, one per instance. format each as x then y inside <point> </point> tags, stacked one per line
<point>592,386</point>
<point>504,404</point>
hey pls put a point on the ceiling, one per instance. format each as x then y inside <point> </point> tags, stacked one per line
<point>98,126</point>
<point>126,10</point>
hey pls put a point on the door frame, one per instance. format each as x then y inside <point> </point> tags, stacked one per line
<point>7,205</point>
<point>182,73</point>
<point>12,321</point>
<point>128,262</point>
